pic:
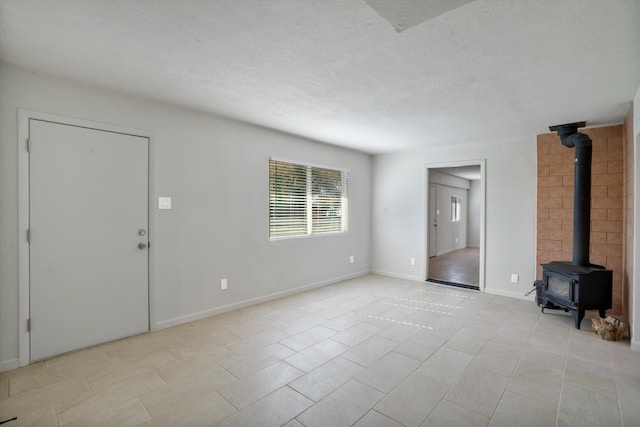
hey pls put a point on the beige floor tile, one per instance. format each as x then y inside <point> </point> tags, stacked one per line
<point>376,419</point>
<point>145,344</point>
<point>388,372</point>
<point>369,351</point>
<point>579,407</point>
<point>316,355</point>
<point>357,334</point>
<point>399,332</point>
<point>96,401</point>
<point>589,376</point>
<point>57,393</point>
<point>248,328</point>
<point>126,369</point>
<point>625,360</point>
<point>275,359</point>
<point>499,358</point>
<point>200,349</point>
<point>628,391</point>
<point>478,390</point>
<point>257,341</point>
<point>202,409</point>
<point>523,411</point>
<point>413,399</point>
<point>447,414</point>
<point>302,324</point>
<point>130,413</point>
<point>323,380</point>
<point>182,393</point>
<point>466,341</point>
<point>212,336</point>
<point>421,346</point>
<point>4,389</point>
<point>248,363</point>
<point>270,410</point>
<point>342,322</point>
<point>187,372</point>
<point>343,407</point>
<point>40,416</point>
<point>39,379</point>
<point>588,346</point>
<point>26,370</point>
<point>258,385</point>
<point>307,338</point>
<point>446,365</point>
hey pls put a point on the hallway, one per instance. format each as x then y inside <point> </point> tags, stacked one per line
<point>461,266</point>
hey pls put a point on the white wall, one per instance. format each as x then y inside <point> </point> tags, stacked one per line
<point>473,220</point>
<point>451,235</point>
<point>399,210</point>
<point>216,171</point>
<point>635,291</point>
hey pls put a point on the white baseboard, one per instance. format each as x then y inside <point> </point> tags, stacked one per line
<point>222,309</point>
<point>397,275</point>
<point>7,365</point>
<point>635,345</point>
<point>511,294</point>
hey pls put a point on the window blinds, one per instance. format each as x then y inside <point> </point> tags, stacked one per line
<point>305,199</point>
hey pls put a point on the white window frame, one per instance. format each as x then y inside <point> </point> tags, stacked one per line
<point>344,206</point>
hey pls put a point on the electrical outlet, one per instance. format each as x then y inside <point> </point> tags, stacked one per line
<point>412,261</point>
<point>514,278</point>
<point>223,284</point>
<point>351,259</point>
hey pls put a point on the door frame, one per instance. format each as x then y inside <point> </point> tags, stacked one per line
<point>24,343</point>
<point>426,192</point>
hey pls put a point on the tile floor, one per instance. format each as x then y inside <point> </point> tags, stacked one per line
<point>373,351</point>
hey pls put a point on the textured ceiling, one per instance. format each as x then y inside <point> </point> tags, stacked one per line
<point>339,71</point>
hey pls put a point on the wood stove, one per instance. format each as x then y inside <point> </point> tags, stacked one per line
<point>578,285</point>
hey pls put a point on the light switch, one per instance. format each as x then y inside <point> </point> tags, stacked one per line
<point>164,202</point>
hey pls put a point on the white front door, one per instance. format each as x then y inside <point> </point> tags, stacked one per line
<point>88,223</point>
<point>433,221</point>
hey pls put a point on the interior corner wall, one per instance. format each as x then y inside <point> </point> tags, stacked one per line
<point>216,171</point>
<point>399,216</point>
<point>627,240</point>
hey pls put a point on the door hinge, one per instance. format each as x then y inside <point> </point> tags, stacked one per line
<point>28,235</point>
<point>28,145</point>
<point>29,325</point>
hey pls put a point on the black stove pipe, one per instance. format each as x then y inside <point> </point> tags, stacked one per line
<point>570,137</point>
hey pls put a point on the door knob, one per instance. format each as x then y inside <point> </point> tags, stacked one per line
<point>142,246</point>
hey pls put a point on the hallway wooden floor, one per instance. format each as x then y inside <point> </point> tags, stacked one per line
<point>461,266</point>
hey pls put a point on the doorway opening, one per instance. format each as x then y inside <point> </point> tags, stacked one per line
<point>455,224</point>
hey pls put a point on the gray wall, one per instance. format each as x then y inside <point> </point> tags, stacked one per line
<point>216,171</point>
<point>399,210</point>
<point>473,218</point>
<point>451,235</point>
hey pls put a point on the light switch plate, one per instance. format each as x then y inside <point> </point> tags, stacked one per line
<point>164,202</point>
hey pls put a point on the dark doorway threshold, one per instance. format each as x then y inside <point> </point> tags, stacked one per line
<point>457,285</point>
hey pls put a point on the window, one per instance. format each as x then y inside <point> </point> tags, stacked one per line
<point>306,200</point>
<point>455,208</point>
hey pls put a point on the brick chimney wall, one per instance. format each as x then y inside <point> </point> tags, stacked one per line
<point>555,203</point>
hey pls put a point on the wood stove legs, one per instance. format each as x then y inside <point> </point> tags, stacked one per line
<point>576,314</point>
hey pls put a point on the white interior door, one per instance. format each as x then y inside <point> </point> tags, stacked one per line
<point>433,221</point>
<point>88,214</point>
